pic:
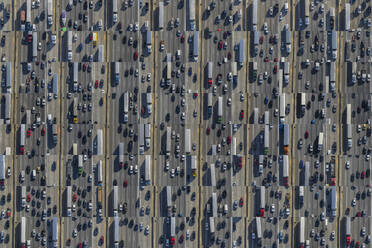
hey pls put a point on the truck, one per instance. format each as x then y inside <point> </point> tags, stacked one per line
<point>34,45</point>
<point>287,40</point>
<point>210,104</point>
<point>307,10</point>
<point>320,141</point>
<point>285,170</point>
<point>301,195</point>
<point>114,11</point>
<point>141,138</point>
<point>169,72</point>
<point>2,171</point>
<point>168,141</point>
<point>267,139</point>
<point>75,72</point>
<point>348,114</point>
<point>149,102</point>
<point>332,76</point>
<point>117,73</point>
<point>147,169</point>
<point>211,225</point>
<point>75,110</point>
<point>74,149</point>
<point>80,164</point>
<point>54,129</point>
<point>286,138</point>
<point>302,231</point>
<point>8,83</point>
<point>125,107</point>
<point>332,170</point>
<point>233,146</point>
<point>121,154</point>
<point>168,190</point>
<point>7,107</point>
<point>149,41</point>
<point>99,173</point>
<point>95,38</point>
<point>254,15</point>
<point>255,116</point>
<point>241,52</point>
<point>99,142</point>
<point>50,12</point>
<point>220,110</point>
<point>306,173</point>
<point>161,16</point>
<point>333,201</point>
<point>282,107</point>
<point>286,72</point>
<point>23,196</point>
<point>303,103</point>
<point>173,230</point>
<point>23,231</point>
<point>347,16</point>
<point>260,164</point>
<point>210,73</point>
<point>194,166</point>
<point>101,51</point>
<point>115,203</point>
<point>28,15</point>
<point>348,230</point>
<point>258,228</point>
<point>116,232</point>
<point>187,140</point>
<point>214,204</point>
<point>262,201</point>
<point>69,45</point>
<point>234,69</point>
<point>195,45</point>
<point>55,85</point>
<point>267,117</point>
<point>334,44</point>
<point>99,197</point>
<point>192,14</point>
<point>22,139</point>
<point>147,135</point>
<point>69,201</point>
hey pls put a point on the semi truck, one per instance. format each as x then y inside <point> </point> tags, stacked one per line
<point>301,195</point>
<point>147,135</point>
<point>115,202</point>
<point>220,110</point>
<point>22,139</point>
<point>121,154</point>
<point>282,107</point>
<point>168,141</point>
<point>80,164</point>
<point>210,104</point>
<point>302,232</point>
<point>187,140</point>
<point>125,107</point>
<point>149,41</point>
<point>69,201</point>
<point>75,110</point>
<point>286,138</point>
<point>161,16</point>
<point>195,45</point>
<point>99,173</point>
<point>254,15</point>
<point>117,73</point>
<point>192,14</point>
<point>320,141</point>
<point>210,73</point>
<point>267,139</point>
<point>114,11</point>
<point>285,170</point>
<point>50,12</point>
<point>262,201</point>
<point>69,45</point>
<point>147,169</point>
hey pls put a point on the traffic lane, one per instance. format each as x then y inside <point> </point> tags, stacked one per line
<point>172,171</point>
<point>356,46</point>
<point>353,166</point>
<point>98,108</point>
<point>124,46</point>
<point>7,46</point>
<point>265,103</point>
<point>356,202</point>
<point>52,170</point>
<point>267,78</point>
<point>31,225</point>
<point>360,86</point>
<point>239,131</point>
<point>80,135</point>
<point>358,12</point>
<point>170,109</point>
<point>316,195</point>
<point>7,16</point>
<point>83,235</point>
<point>257,134</point>
<point>360,143</point>
<point>128,135</point>
<point>177,134</point>
<point>269,230</point>
<point>311,45</point>
<point>177,14</point>
<point>126,13</point>
<point>218,135</point>
<point>316,171</point>
<point>223,167</point>
<point>311,77</point>
<point>360,111</point>
<point>270,173</point>
<point>5,132</point>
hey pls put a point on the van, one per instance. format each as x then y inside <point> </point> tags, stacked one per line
<point>23,16</point>
<point>33,175</point>
<point>99,24</point>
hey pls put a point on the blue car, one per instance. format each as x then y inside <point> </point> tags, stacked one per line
<point>266,100</point>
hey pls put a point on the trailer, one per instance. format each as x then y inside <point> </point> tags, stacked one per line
<point>267,139</point>
<point>75,110</point>
<point>302,230</point>
<point>125,107</point>
<point>114,6</point>
<point>75,72</point>
<point>241,52</point>
<point>117,73</point>
<point>55,85</point>
<point>213,175</point>
<point>210,104</point>
<point>285,170</point>
<point>192,14</point>
<point>334,40</point>
<point>22,137</point>
<point>267,118</point>
<point>34,45</point>
<point>99,142</point>
<point>173,227</point>
<point>28,12</point>
<point>256,38</point>
<point>303,102</point>
<point>147,169</point>
<point>348,114</point>
<point>214,204</point>
<point>99,173</point>
<point>255,116</point>
<point>101,50</point>
<point>80,164</point>
<point>149,41</point>
<point>50,12</point>
<point>320,141</point>
<point>220,110</point>
<point>69,200</point>
<point>121,154</point>
<point>69,41</point>
<point>7,107</point>
<point>8,82</point>
<point>149,102</point>
<point>234,69</point>
<point>74,149</point>
<point>147,135</point>
<point>169,196</point>
<point>301,195</point>
<point>306,173</point>
<point>193,164</point>
<point>55,231</point>
<point>307,8</point>
<point>168,141</point>
<point>116,232</point>
<point>23,230</point>
<point>161,16</point>
<point>116,198</point>
<point>286,138</point>
<point>141,138</point>
<point>348,230</point>
<point>187,140</point>
<point>262,200</point>
<point>258,228</point>
<point>23,196</point>
<point>169,72</point>
<point>254,14</point>
<point>282,107</point>
<point>347,16</point>
<point>210,73</point>
<point>332,72</point>
<point>195,46</point>
<point>333,201</point>
<point>233,146</point>
<point>2,171</point>
<point>211,225</point>
<point>349,135</point>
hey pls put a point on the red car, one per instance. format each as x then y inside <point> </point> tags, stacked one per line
<point>363,174</point>
<point>182,38</point>
<point>172,241</point>
<point>241,202</point>
<point>102,239</point>
<point>196,95</point>
<point>96,84</point>
<point>135,55</point>
<point>229,55</point>
<point>261,39</point>
<point>266,59</point>
<point>208,130</point>
<point>275,69</point>
<point>143,111</point>
<point>43,131</point>
<point>28,132</point>
<point>240,161</point>
<point>28,197</point>
<point>306,134</point>
<point>276,60</point>
<point>228,139</point>
<point>74,197</point>
<point>125,183</point>
<point>84,67</point>
<point>220,44</point>
<point>181,239</point>
<point>242,114</point>
<point>91,37</point>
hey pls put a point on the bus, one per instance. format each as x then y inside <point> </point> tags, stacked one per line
<point>285,170</point>
<point>220,110</point>
<point>75,110</point>
<point>286,138</point>
<point>262,201</point>
<point>55,231</point>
